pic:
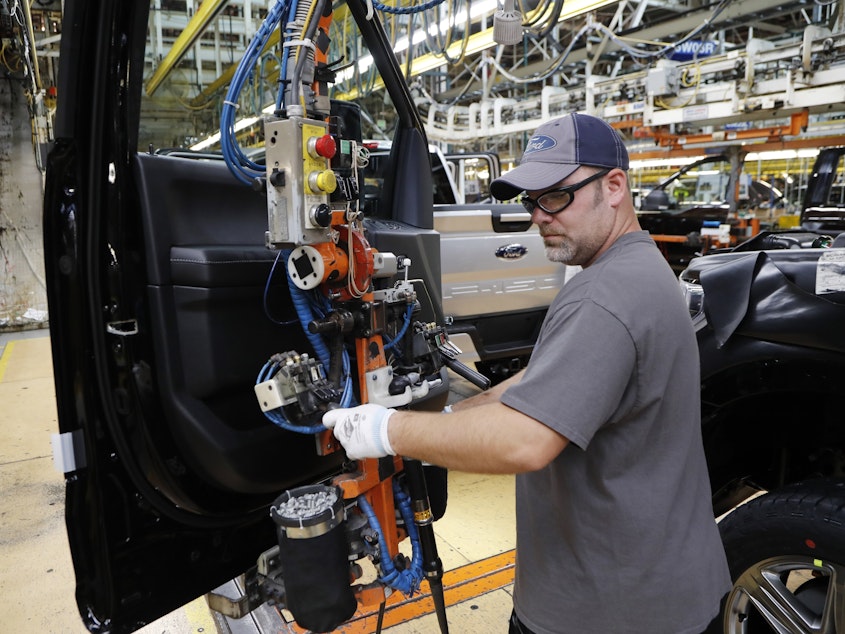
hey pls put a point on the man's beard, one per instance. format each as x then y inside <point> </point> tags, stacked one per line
<point>562,252</point>
<point>567,251</point>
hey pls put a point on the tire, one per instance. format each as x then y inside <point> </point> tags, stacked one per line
<point>786,553</point>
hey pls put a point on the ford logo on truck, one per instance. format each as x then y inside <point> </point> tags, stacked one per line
<point>511,252</point>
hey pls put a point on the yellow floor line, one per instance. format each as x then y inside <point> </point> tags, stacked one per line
<point>459,585</point>
<point>4,360</point>
<point>199,617</point>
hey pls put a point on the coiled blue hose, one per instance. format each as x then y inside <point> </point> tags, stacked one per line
<point>406,581</point>
<point>302,305</point>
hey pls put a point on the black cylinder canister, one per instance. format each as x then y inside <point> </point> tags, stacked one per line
<point>314,556</point>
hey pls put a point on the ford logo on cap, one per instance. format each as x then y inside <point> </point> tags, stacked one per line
<point>538,143</point>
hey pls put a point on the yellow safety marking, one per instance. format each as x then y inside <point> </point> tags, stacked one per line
<point>4,360</point>
<point>199,617</point>
<point>818,563</point>
<point>459,585</point>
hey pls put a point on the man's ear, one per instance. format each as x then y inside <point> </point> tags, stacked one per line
<point>617,185</point>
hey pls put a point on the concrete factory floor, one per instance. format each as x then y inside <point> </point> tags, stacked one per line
<point>475,538</point>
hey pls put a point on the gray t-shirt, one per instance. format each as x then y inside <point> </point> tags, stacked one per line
<point>617,534</point>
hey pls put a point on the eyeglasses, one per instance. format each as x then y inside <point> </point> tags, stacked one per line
<point>556,200</point>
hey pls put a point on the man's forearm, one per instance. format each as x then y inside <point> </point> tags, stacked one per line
<point>488,396</point>
<point>491,438</point>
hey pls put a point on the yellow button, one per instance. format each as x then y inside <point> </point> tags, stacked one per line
<point>324,181</point>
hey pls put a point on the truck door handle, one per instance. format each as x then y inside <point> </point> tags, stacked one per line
<point>516,216</point>
<point>510,221</point>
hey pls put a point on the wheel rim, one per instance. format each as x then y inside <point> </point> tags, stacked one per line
<point>788,595</point>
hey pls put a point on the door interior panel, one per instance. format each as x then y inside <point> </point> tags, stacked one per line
<point>207,268</point>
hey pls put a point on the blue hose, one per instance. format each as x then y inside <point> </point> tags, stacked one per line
<point>303,308</point>
<point>244,169</point>
<point>275,416</point>
<point>402,330</point>
<point>308,305</point>
<point>406,581</point>
<point>277,419</point>
<point>283,73</point>
<point>403,501</point>
<point>407,10</point>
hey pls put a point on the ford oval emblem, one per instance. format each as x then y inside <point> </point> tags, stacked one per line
<point>511,252</point>
<point>538,143</point>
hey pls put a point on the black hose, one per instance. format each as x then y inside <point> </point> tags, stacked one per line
<point>380,620</point>
<point>424,519</point>
<point>556,9</point>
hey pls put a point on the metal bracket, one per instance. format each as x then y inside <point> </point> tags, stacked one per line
<point>68,451</point>
<point>237,607</point>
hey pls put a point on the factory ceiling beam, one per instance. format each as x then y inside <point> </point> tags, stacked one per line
<point>484,40</point>
<point>735,14</point>
<point>748,12</point>
<point>204,16</point>
<point>481,41</point>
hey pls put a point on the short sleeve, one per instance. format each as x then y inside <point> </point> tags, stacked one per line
<point>582,373</point>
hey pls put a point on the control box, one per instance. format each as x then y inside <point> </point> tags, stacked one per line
<point>300,181</point>
<point>662,81</point>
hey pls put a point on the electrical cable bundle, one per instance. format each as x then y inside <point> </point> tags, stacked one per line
<point>239,164</point>
<point>433,36</point>
<point>283,67</point>
<point>309,305</point>
<point>275,416</point>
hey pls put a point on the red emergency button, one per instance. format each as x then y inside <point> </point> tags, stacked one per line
<point>325,146</point>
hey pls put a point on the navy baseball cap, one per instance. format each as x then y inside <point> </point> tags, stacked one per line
<point>558,148</point>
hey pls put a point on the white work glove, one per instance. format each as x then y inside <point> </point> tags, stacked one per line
<point>361,430</point>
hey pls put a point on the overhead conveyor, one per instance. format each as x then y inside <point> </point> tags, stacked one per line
<point>781,85</point>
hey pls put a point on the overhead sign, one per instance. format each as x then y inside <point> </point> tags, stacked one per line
<point>693,49</point>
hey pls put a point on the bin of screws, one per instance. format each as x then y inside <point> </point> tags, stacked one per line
<point>314,556</point>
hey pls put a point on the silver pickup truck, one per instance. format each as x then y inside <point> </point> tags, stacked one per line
<point>496,281</point>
